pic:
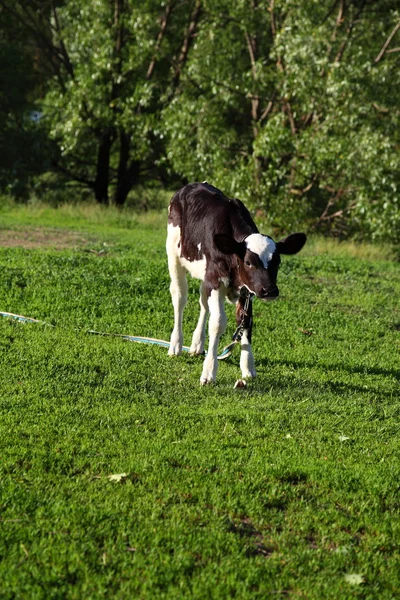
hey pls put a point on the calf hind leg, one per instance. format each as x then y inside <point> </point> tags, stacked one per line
<point>199,334</point>
<point>178,289</point>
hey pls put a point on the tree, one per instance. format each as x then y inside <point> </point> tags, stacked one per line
<point>113,64</point>
<point>23,145</point>
<point>285,105</point>
<point>288,104</point>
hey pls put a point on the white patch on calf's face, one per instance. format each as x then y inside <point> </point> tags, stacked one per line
<point>261,245</point>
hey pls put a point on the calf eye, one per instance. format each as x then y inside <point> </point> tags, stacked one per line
<point>247,263</point>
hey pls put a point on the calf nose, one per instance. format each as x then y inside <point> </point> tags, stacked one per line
<point>269,293</point>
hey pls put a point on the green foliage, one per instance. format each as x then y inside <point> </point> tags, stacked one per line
<point>110,93</point>
<point>285,107</point>
<point>23,143</point>
<point>288,104</point>
<point>121,477</point>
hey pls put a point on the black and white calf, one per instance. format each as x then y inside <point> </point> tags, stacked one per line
<point>215,239</point>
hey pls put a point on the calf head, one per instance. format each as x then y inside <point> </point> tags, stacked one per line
<point>258,259</point>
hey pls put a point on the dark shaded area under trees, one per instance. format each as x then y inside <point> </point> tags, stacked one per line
<point>291,105</point>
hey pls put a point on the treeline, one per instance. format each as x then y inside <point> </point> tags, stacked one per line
<point>291,105</point>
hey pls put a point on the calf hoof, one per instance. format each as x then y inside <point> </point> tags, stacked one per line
<point>248,374</point>
<point>175,344</point>
<point>209,373</point>
<point>197,345</point>
<point>240,384</point>
<point>196,350</point>
<point>205,381</point>
<point>175,350</point>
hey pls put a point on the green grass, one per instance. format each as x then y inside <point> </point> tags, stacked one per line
<point>284,489</point>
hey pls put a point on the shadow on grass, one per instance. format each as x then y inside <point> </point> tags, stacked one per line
<point>244,528</point>
<point>288,381</point>
<point>339,367</point>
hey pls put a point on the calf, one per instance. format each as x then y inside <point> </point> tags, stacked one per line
<point>216,240</point>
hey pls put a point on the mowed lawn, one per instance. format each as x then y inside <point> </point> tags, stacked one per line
<point>122,477</point>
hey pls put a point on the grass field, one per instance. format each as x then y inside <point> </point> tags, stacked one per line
<point>121,477</point>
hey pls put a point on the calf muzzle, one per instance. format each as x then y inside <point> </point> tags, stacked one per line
<point>268,293</point>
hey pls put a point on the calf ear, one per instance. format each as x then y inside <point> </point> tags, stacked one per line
<point>292,244</point>
<point>228,245</point>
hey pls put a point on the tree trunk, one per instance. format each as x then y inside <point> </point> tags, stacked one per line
<point>187,42</point>
<point>103,168</point>
<point>127,176</point>
<point>253,49</point>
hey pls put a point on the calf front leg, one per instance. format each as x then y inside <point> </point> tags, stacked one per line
<point>216,328</point>
<point>246,354</point>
